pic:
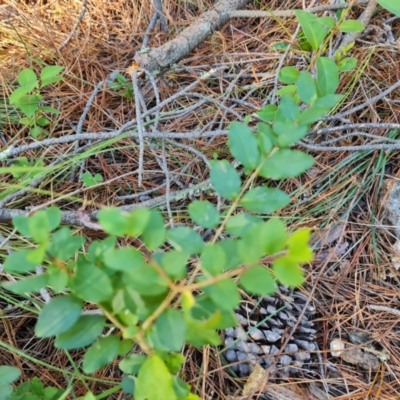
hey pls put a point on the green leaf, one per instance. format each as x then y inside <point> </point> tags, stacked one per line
<point>200,333</point>
<point>29,104</point>
<point>154,233</point>
<point>265,200</point>
<point>90,283</point>
<point>241,223</point>
<point>19,263</point>
<point>391,5</point>
<point>101,353</point>
<point>289,133</point>
<point>181,388</point>
<point>27,78</point>
<point>327,76</point>
<point>243,145</point>
<point>18,93</point>
<point>57,316</point>
<point>231,253</point>
<point>213,259</point>
<point>312,114</point>
<point>146,281</point>
<point>174,263</point>
<point>84,332</point>
<point>131,364</point>
<point>42,121</point>
<point>289,90</point>
<point>53,215</point>
<point>169,331</point>
<point>90,180</point>
<point>32,284</point>
<point>204,213</point>
<point>258,280</point>
<point>128,384</point>
<point>36,131</point>
<point>185,239</point>
<point>347,64</point>
<point>113,221</point>
<point>64,244</point>
<point>38,254</point>
<point>327,21</point>
<point>306,88</point>
<point>266,138</point>
<point>225,179</point>
<point>39,227</point>
<point>137,221</point>
<point>328,101</point>
<point>351,25</point>
<point>154,381</point>
<point>123,259</point>
<point>298,247</point>
<point>268,112</point>
<point>49,72</point>
<point>8,374</point>
<point>287,75</point>
<point>286,163</point>
<point>288,271</point>
<point>312,28</point>
<point>48,109</point>
<point>273,235</point>
<point>57,278</point>
<point>224,293</point>
<point>289,108</point>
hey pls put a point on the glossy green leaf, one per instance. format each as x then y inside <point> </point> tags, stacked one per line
<point>8,374</point>
<point>288,75</point>
<point>83,333</point>
<point>100,353</point>
<point>123,259</point>
<point>327,76</point>
<point>174,263</point>
<point>154,232</point>
<point>113,221</point>
<point>264,200</point>
<point>286,163</point>
<point>154,381</point>
<point>137,221</point>
<point>258,280</point>
<point>204,213</point>
<point>224,293</point>
<point>298,246</point>
<point>289,108</point>
<point>351,25</point>
<point>169,331</point>
<point>306,88</point>
<point>391,5</point>
<point>312,28</point>
<point>225,179</point>
<point>185,239</point>
<point>57,316</point>
<point>241,223</point>
<point>213,259</point>
<point>131,364</point>
<point>90,283</point>
<point>243,145</point>
<point>268,112</point>
<point>288,271</point>
<point>32,284</point>
<point>19,263</point>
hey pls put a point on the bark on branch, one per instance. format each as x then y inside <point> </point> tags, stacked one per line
<point>163,57</point>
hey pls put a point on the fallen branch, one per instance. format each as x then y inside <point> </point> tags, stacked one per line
<point>161,58</point>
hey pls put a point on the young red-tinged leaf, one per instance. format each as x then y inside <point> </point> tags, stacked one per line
<point>204,213</point>
<point>113,221</point>
<point>264,200</point>
<point>286,163</point>
<point>299,249</point>
<point>243,144</point>
<point>101,353</point>
<point>258,280</point>
<point>225,179</point>
<point>213,259</point>
<point>154,381</point>
<point>83,333</point>
<point>288,271</point>
<point>288,75</point>
<point>168,333</point>
<point>154,233</point>
<point>57,316</point>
